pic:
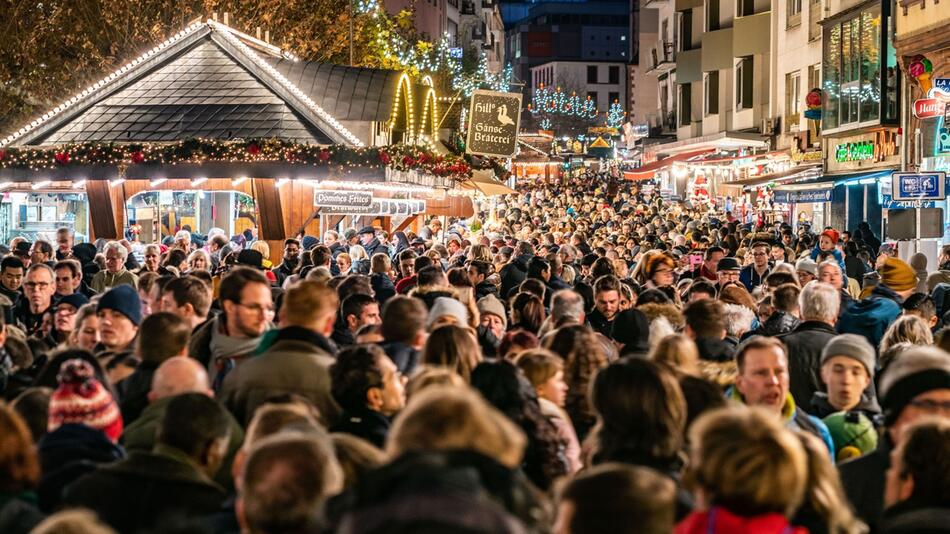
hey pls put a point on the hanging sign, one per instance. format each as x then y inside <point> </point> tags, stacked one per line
<point>379,206</point>
<point>342,198</point>
<point>928,108</point>
<point>802,197</point>
<point>918,186</point>
<point>493,124</point>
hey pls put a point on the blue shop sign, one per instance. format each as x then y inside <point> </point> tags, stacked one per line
<point>802,197</point>
<point>889,203</point>
<point>918,186</point>
<point>943,84</point>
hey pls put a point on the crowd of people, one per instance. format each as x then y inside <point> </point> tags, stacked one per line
<point>580,358</point>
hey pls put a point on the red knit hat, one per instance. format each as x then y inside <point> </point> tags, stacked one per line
<point>81,398</point>
<point>832,234</point>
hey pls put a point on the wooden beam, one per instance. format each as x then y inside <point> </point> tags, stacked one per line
<point>405,224</point>
<point>101,212</point>
<point>270,221</point>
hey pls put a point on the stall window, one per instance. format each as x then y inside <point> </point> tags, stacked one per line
<point>38,216</point>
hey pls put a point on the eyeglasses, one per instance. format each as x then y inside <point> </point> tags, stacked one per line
<point>932,406</point>
<point>37,285</point>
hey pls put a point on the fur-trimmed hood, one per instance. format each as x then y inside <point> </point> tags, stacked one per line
<point>672,314</point>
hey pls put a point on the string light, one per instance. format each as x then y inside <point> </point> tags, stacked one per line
<point>239,181</point>
<point>404,89</point>
<point>41,184</point>
<point>369,186</point>
<point>117,181</point>
<point>157,181</point>
<point>548,102</point>
<point>615,115</point>
<point>198,181</point>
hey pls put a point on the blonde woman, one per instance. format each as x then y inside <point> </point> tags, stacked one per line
<point>345,263</point>
<point>199,260</point>
<point>264,249</point>
<point>678,353</point>
<point>825,507</point>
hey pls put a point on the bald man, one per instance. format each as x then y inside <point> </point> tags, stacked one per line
<point>174,377</point>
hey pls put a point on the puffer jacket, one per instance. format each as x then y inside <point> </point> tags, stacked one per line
<point>871,316</point>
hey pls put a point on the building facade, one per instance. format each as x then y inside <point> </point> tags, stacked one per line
<point>602,82</point>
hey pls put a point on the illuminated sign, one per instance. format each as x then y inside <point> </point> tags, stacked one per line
<point>860,151</point>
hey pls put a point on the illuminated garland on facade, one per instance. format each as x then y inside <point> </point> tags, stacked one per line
<point>615,115</point>
<point>557,102</point>
<point>399,157</point>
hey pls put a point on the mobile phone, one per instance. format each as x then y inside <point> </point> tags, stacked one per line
<point>695,260</point>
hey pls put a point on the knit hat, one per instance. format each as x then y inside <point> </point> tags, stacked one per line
<point>632,328</point>
<point>123,299</point>
<point>251,258</point>
<point>918,370</point>
<point>76,300</point>
<point>897,275</point>
<point>308,242</point>
<point>852,346</point>
<point>447,306</point>
<point>350,233</point>
<point>491,305</point>
<point>807,265</point>
<point>81,398</point>
<point>832,234</point>
<point>852,433</point>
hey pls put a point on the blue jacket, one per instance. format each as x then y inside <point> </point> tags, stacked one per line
<point>871,317</point>
<point>839,257</point>
<point>751,279</point>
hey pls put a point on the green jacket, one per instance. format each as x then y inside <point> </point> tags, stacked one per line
<point>140,436</point>
<point>104,280</point>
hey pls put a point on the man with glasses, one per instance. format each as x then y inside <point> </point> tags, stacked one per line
<point>913,387</point>
<point>753,275</point>
<point>38,292</point>
<point>245,297</point>
<point>297,362</point>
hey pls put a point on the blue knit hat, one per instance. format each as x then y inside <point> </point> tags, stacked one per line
<point>309,242</point>
<point>123,299</point>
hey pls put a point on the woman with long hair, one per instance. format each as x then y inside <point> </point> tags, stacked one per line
<point>825,509</point>
<point>19,475</point>
<point>678,354</point>
<point>506,388</point>
<point>584,355</point>
<point>453,347</point>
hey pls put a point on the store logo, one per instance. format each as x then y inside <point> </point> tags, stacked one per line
<point>928,108</point>
<point>863,150</point>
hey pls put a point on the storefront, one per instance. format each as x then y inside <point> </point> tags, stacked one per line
<point>155,215</point>
<point>38,214</point>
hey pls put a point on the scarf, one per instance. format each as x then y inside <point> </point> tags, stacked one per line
<point>226,349</point>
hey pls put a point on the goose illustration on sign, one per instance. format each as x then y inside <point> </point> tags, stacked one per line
<point>493,124</point>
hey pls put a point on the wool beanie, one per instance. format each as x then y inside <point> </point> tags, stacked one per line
<point>123,299</point>
<point>491,305</point>
<point>917,371</point>
<point>447,306</point>
<point>81,398</point>
<point>897,275</point>
<point>852,433</point>
<point>832,235</point>
<point>807,265</point>
<point>632,328</point>
<point>852,346</point>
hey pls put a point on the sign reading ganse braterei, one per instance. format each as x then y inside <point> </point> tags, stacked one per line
<point>493,124</point>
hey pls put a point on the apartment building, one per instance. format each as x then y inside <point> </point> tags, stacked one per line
<point>656,102</point>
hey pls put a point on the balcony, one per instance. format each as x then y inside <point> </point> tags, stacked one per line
<point>663,58</point>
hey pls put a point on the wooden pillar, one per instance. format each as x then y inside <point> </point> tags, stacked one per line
<point>106,222</point>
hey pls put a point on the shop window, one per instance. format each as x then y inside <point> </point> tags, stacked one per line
<point>159,214</point>
<point>857,70</point>
<point>38,216</point>
<point>711,93</point>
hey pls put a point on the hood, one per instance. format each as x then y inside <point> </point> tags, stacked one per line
<point>722,374</point>
<point>428,294</point>
<point>779,323</point>
<point>717,350</point>
<point>654,310</point>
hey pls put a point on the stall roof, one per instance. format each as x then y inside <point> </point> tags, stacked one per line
<point>647,171</point>
<point>212,81</point>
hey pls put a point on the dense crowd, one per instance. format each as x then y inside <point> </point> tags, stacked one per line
<point>579,358</point>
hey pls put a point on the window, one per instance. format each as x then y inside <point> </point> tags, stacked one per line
<point>612,97</point>
<point>814,76</point>
<point>614,75</point>
<point>592,95</point>
<point>711,93</point>
<point>592,73</point>
<point>685,104</point>
<point>793,13</point>
<point>686,30</point>
<point>744,76</point>
<point>744,8</point>
<point>853,75</point>
<point>712,15</point>
<point>793,99</point>
<point>814,15</point>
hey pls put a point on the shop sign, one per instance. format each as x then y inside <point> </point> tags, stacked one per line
<point>942,84</point>
<point>918,186</point>
<point>802,197</point>
<point>342,198</point>
<point>928,108</point>
<point>379,206</point>
<point>860,151</point>
<point>493,124</point>
<point>889,203</point>
<point>811,156</point>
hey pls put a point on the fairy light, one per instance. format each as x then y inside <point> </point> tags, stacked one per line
<point>274,73</point>
<point>404,89</point>
<point>239,181</point>
<point>157,181</point>
<point>85,93</point>
<point>41,184</point>
<point>198,181</point>
<point>369,186</point>
<point>430,111</point>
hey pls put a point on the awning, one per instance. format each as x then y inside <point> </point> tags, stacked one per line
<point>795,173</point>
<point>829,181</point>
<point>485,182</point>
<point>646,172</point>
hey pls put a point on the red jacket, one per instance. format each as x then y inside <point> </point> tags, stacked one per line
<point>718,520</point>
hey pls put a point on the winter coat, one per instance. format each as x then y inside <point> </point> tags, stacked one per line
<point>19,513</point>
<point>909,517</point>
<point>600,324</point>
<point>366,424</point>
<point>805,344</point>
<point>937,277</point>
<point>298,362</point>
<point>871,316</point>
<point>868,405</point>
<point>863,481</point>
<point>284,270</point>
<point>145,489</point>
<point>514,272</point>
<point>752,279</point>
<point>68,453</point>
<point>104,280</point>
<point>483,289</point>
<point>405,357</point>
<point>383,287</point>
<point>777,324</point>
<point>133,391</point>
<point>141,434</point>
<point>457,491</point>
<point>795,418</point>
<point>718,520</point>
<point>375,247</point>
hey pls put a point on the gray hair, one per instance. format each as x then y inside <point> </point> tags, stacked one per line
<point>830,263</point>
<point>819,301</point>
<point>567,304</point>
<point>152,246</point>
<point>119,247</point>
<point>738,319</point>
